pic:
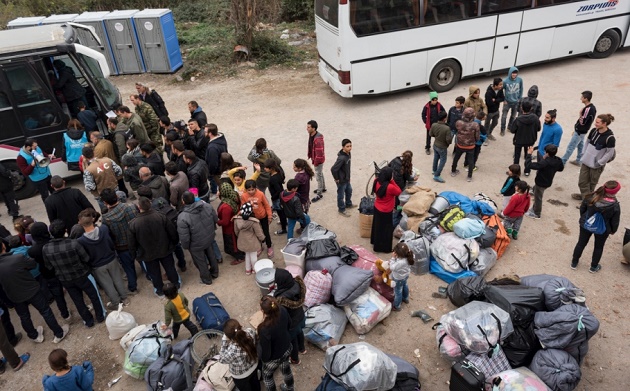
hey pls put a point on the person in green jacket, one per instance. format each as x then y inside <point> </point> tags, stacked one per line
<point>443,138</point>
<point>176,309</point>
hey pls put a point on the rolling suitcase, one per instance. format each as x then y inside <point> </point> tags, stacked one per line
<point>209,312</point>
<point>466,377</point>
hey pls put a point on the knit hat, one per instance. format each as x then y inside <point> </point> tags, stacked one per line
<point>246,210</point>
<point>614,190</point>
<point>432,95</point>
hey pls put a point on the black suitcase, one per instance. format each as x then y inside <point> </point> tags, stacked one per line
<point>466,377</point>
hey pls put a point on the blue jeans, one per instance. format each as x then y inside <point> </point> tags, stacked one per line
<point>401,292</point>
<point>439,160</point>
<point>291,225</point>
<point>128,264</point>
<point>512,108</point>
<point>344,189</point>
<point>577,140</point>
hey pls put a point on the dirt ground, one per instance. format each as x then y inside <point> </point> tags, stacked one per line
<point>277,104</point>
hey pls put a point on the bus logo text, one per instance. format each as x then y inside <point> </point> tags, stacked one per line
<point>593,7</point>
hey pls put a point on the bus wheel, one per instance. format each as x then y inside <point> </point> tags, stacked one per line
<point>22,186</point>
<point>606,44</point>
<point>445,75</point>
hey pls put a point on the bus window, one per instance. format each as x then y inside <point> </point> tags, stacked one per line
<point>444,11</point>
<point>542,3</point>
<point>10,126</point>
<point>105,88</point>
<point>502,6</point>
<point>375,16</point>
<point>328,10</point>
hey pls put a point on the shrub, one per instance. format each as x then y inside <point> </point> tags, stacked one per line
<point>297,10</point>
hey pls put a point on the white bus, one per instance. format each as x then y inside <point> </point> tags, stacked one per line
<point>369,47</point>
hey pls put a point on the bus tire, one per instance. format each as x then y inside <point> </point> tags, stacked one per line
<point>445,75</point>
<point>606,44</point>
<point>23,187</point>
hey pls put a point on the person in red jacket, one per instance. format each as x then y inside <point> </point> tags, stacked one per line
<point>515,209</point>
<point>317,156</point>
<point>386,191</point>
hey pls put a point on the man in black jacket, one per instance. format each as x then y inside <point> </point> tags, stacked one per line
<point>525,129</point>
<point>494,96</point>
<point>197,174</point>
<point>65,203</point>
<point>6,190</point>
<point>153,237</point>
<point>341,172</point>
<point>197,114</point>
<point>547,168</point>
<point>196,139</point>
<point>588,113</point>
<point>217,144</point>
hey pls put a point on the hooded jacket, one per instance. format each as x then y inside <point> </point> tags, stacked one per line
<point>214,150</point>
<point>609,209</point>
<point>476,103</point>
<point>137,128</point>
<point>518,205</point>
<point>16,278</point>
<point>155,163</point>
<point>290,293</point>
<point>40,236</point>
<point>341,169</point>
<point>66,204</point>
<point>199,116</point>
<point>196,226</point>
<point>99,245</point>
<point>468,132</point>
<point>525,129</point>
<point>131,172</point>
<point>198,176</point>
<point>178,185</point>
<point>250,234</point>
<point>547,168</point>
<point>153,236</point>
<point>292,205</point>
<point>513,89</point>
<point>73,142</point>
<point>599,148</point>
<point>494,99</point>
<point>197,142</point>
<point>532,94</point>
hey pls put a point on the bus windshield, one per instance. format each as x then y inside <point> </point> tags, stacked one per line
<point>104,86</point>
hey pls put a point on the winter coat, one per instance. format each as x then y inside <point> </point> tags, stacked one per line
<point>198,176</point>
<point>158,185</point>
<point>476,103</point>
<point>290,294</point>
<point>430,114</point>
<point>137,128</point>
<point>260,205</point>
<point>454,115</point>
<point>6,183</point>
<point>16,278</point>
<point>150,120</point>
<point>442,134</point>
<point>316,149</point>
<point>494,99</point>
<point>467,130</point>
<point>155,163</point>
<point>156,102</point>
<point>105,148</point>
<point>341,169</point>
<point>197,142</point>
<point>99,246</point>
<point>599,148</point>
<point>68,84</point>
<point>88,119</point>
<point>196,226</point>
<point>178,185</point>
<point>120,139</point>
<point>609,209</point>
<point>532,94</point>
<point>400,268</point>
<point>66,204</point>
<point>214,150</point>
<point>199,116</point>
<point>152,236</point>
<point>518,205</point>
<point>513,89</point>
<point>262,182</point>
<point>131,170</point>
<point>547,168</point>
<point>401,178</point>
<point>291,205</point>
<point>250,234</point>
<point>525,129</point>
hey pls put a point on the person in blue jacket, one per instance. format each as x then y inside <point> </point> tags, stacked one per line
<point>551,132</point>
<point>513,92</point>
<point>74,140</point>
<point>66,377</point>
<point>40,176</point>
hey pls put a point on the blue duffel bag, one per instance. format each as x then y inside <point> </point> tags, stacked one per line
<point>448,277</point>
<point>209,312</point>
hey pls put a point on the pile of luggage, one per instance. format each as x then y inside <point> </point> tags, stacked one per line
<point>513,331</point>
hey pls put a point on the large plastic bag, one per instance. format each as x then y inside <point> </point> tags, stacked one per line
<point>145,349</point>
<point>520,346</point>
<point>360,366</point>
<point>478,326</point>
<point>521,302</point>
<point>485,261</point>
<point>128,338</point>
<point>557,369</point>
<point>453,253</point>
<point>449,349</point>
<point>325,325</point>
<point>119,323</point>
<point>448,277</point>
<point>329,263</point>
<point>464,290</point>
<point>295,246</point>
<point>469,228</point>
<point>430,228</point>
<point>173,369</point>
<point>367,311</point>
<point>314,231</point>
<point>557,290</point>
<point>322,248</point>
<point>367,261</point>
<point>518,379</point>
<point>421,248</point>
<point>318,286</point>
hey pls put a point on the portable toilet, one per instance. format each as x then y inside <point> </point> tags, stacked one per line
<point>25,22</point>
<point>95,20</point>
<point>63,18</point>
<point>158,40</point>
<point>124,41</point>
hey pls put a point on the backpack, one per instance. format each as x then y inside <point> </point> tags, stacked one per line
<point>450,216</point>
<point>164,207</point>
<point>453,253</point>
<point>173,369</point>
<point>218,376</point>
<point>595,224</point>
<point>502,239</point>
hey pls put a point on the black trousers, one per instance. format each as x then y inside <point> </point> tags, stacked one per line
<point>598,250</point>
<point>75,289</point>
<point>264,224</point>
<point>469,159</point>
<point>43,187</point>
<point>517,154</point>
<point>188,324</point>
<point>9,200</point>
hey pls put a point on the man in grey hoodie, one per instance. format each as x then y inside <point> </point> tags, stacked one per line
<point>513,91</point>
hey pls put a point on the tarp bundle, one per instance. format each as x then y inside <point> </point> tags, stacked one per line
<point>557,290</point>
<point>557,368</point>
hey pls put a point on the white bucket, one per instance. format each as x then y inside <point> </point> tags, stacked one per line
<point>263,264</point>
<point>264,279</point>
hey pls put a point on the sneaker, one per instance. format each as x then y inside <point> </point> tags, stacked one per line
<point>406,301</point>
<point>209,282</point>
<point>576,163</point>
<point>324,190</point>
<point>274,216</point>
<point>344,213</point>
<point>475,169</point>
<point>438,179</point>
<point>66,330</point>
<point>270,252</point>
<point>40,335</point>
<point>396,309</point>
<point>160,295</point>
<point>283,387</point>
<point>574,265</point>
<point>212,197</point>
<point>280,232</point>
<point>527,174</point>
<point>111,306</point>
<point>595,269</point>
<point>317,198</point>
<point>455,173</point>
<point>486,143</point>
<point>69,317</point>
<point>132,292</point>
<point>576,196</point>
<point>530,213</point>
<point>427,151</point>
<point>126,302</point>
<point>469,179</point>
<point>492,138</point>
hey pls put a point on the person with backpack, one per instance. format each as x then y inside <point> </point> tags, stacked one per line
<point>547,168</point>
<point>238,351</point>
<point>599,215</point>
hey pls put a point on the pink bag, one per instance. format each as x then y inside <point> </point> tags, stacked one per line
<point>367,261</point>
<point>318,287</point>
<point>449,348</point>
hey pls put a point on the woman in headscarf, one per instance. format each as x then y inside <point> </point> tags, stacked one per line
<point>290,293</point>
<point>382,227</point>
<point>230,204</point>
<point>599,215</point>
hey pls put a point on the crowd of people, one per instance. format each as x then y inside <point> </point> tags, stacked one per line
<point>175,170</point>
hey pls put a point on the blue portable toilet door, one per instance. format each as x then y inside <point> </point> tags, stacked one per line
<point>123,41</point>
<point>86,39</point>
<point>153,49</point>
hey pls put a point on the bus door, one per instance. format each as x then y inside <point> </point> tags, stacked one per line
<point>506,43</point>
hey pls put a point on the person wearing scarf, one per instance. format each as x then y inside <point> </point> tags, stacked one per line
<point>386,191</point>
<point>290,293</point>
<point>229,207</point>
<point>599,215</point>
